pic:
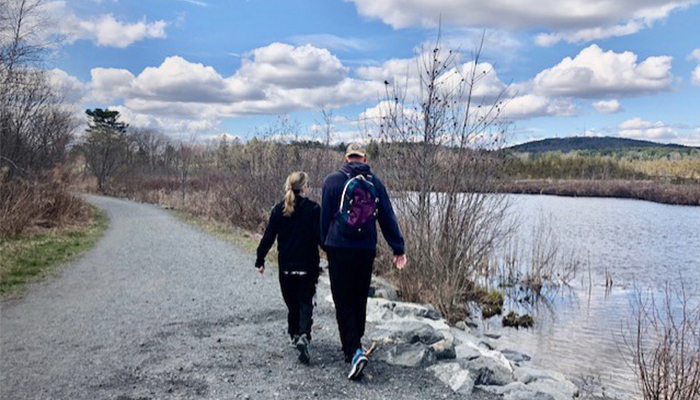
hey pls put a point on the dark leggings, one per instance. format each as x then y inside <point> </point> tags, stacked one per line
<point>350,274</point>
<point>298,293</point>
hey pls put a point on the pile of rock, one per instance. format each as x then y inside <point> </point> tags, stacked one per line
<point>463,357</point>
<point>413,335</point>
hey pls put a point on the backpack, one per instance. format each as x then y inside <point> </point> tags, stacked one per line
<point>359,205</point>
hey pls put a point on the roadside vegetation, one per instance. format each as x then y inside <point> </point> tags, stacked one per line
<point>30,256</point>
<point>42,223</point>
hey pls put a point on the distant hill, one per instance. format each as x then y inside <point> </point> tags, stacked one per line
<point>590,143</point>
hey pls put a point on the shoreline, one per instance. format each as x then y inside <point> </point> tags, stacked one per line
<point>410,335</point>
<point>657,192</point>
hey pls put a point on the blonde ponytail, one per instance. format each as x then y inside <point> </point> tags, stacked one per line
<point>296,182</point>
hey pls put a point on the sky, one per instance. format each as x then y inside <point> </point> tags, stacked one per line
<point>204,68</point>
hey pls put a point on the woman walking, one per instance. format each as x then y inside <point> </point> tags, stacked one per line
<point>295,223</point>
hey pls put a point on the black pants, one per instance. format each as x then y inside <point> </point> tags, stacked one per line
<point>298,293</point>
<point>350,274</point>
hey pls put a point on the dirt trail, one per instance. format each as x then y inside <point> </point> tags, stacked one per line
<point>161,310</point>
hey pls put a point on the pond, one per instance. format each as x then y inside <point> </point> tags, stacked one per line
<point>578,329</point>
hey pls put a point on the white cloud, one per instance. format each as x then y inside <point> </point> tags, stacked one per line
<point>293,67</point>
<point>275,79</point>
<point>405,74</point>
<point>695,75</point>
<point>595,73</point>
<point>70,88</point>
<point>607,106</point>
<point>640,20</point>
<point>573,20</point>
<point>174,126</point>
<point>103,30</point>
<point>532,105</point>
<point>637,128</point>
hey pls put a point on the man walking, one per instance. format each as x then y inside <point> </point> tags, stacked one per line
<point>354,199</point>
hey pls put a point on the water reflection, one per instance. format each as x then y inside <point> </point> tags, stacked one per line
<point>579,326</point>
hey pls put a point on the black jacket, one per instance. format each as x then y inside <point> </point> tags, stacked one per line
<point>333,190</point>
<point>297,236</point>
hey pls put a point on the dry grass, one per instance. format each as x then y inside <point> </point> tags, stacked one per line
<point>41,203</point>
<point>664,341</point>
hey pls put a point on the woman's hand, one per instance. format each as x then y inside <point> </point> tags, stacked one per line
<point>260,269</point>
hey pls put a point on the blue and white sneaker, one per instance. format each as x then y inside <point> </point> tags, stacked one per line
<point>359,362</point>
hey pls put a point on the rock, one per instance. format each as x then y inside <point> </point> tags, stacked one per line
<point>462,326</point>
<point>409,355</point>
<point>492,335</point>
<point>465,345</point>
<point>467,351</point>
<point>515,356</point>
<point>527,395</point>
<point>444,349</point>
<point>379,310</point>
<point>516,391</point>
<point>405,331</point>
<point>381,288</point>
<point>502,390</point>
<point>491,368</point>
<point>553,383</point>
<point>416,310</point>
<point>485,344</point>
<point>557,390</point>
<point>452,375</point>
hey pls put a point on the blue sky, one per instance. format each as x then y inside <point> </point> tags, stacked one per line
<point>208,67</point>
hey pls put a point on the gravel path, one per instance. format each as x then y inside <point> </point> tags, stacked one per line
<point>161,310</point>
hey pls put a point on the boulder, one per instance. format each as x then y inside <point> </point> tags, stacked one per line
<point>381,288</point>
<point>452,375</point>
<point>516,391</point>
<point>553,383</point>
<point>462,326</point>
<point>379,310</point>
<point>409,355</point>
<point>515,356</point>
<point>559,390</point>
<point>466,346</point>
<point>527,395</point>
<point>502,390</point>
<point>467,351</point>
<point>491,368</point>
<point>444,349</point>
<point>405,331</point>
<point>416,310</point>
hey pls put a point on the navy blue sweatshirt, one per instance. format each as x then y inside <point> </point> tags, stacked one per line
<point>297,236</point>
<point>332,191</point>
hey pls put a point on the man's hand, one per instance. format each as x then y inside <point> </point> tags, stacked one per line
<point>400,261</point>
<point>261,269</point>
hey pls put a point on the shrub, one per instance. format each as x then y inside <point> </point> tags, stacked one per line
<point>46,203</point>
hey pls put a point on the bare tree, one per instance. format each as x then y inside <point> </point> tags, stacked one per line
<point>327,126</point>
<point>150,145</point>
<point>35,125</point>
<point>436,139</point>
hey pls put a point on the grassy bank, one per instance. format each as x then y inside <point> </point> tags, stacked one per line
<point>31,256</point>
<point>666,193</point>
<point>244,239</point>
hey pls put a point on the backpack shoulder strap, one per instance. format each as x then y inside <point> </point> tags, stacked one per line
<point>345,189</point>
